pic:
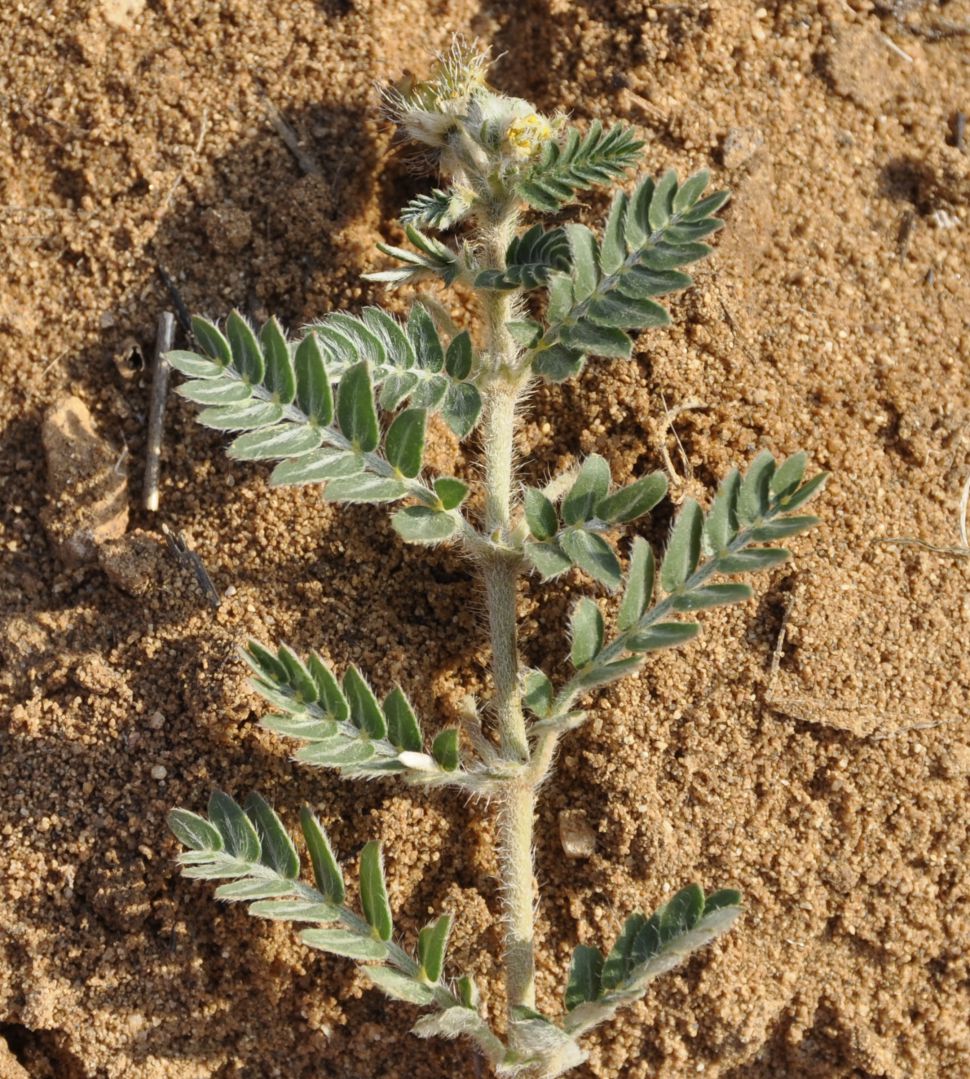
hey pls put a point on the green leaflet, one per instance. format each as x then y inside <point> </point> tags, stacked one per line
<point>403,729</point>
<point>788,475</point>
<point>278,852</point>
<point>280,376</point>
<point>540,514</point>
<point>754,497</point>
<point>404,441</point>
<point>400,986</point>
<point>586,632</point>
<point>451,492</point>
<point>458,358</point>
<point>432,944</point>
<point>558,363</point>
<point>193,831</point>
<point>326,872</point>
<point>329,693</point>
<point>634,500</point>
<point>445,749</point>
<point>345,943</point>
<point>593,555</point>
<point>373,891</point>
<point>662,635</point>
<point>585,973</point>
<point>712,595</point>
<point>247,353</point>
<point>283,440</point>
<point>753,559</point>
<point>591,485</point>
<point>295,911</point>
<point>639,584</point>
<point>313,392</point>
<point>537,693</point>
<point>721,524</point>
<point>424,337</point>
<point>421,524</point>
<point>336,753</point>
<point>192,365</point>
<point>462,408</point>
<point>318,466</point>
<point>245,890</point>
<point>684,547</point>
<point>246,416</point>
<point>364,488</point>
<point>365,712</point>
<point>238,834</point>
<point>214,392</point>
<point>211,341</point>
<point>547,559</point>
<point>356,412</point>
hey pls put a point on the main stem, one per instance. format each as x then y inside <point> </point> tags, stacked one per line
<point>501,567</point>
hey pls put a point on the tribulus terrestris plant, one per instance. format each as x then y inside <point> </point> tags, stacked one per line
<point>346,407</point>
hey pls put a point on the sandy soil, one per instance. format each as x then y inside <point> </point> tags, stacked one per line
<point>835,317</point>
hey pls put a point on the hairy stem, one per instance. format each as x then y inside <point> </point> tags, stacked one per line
<point>503,384</point>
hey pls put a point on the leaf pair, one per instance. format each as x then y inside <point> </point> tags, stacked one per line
<point>347,728</point>
<point>587,508</point>
<point>429,258</point>
<point>645,948</point>
<point>608,288</point>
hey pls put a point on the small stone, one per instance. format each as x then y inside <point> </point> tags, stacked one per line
<point>740,145</point>
<point>133,563</point>
<point>228,228</point>
<point>577,837</point>
<point>156,721</point>
<point>159,771</point>
<point>86,484</point>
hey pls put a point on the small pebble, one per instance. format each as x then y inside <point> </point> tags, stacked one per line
<point>156,721</point>
<point>575,834</point>
<point>159,771</point>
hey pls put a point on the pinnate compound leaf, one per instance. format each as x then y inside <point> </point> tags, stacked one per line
<point>593,555</point>
<point>639,584</point>
<point>432,944</point>
<point>278,852</point>
<point>345,943</point>
<point>683,549</point>
<point>540,514</point>
<point>373,891</point>
<point>326,871</point>
<point>585,972</point>
<point>356,412</point>
<point>421,524</point>
<point>404,441</point>
<point>400,986</point>
<point>586,632</point>
<point>193,831</point>
<point>236,829</point>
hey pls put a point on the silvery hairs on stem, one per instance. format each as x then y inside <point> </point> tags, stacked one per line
<point>345,407</point>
